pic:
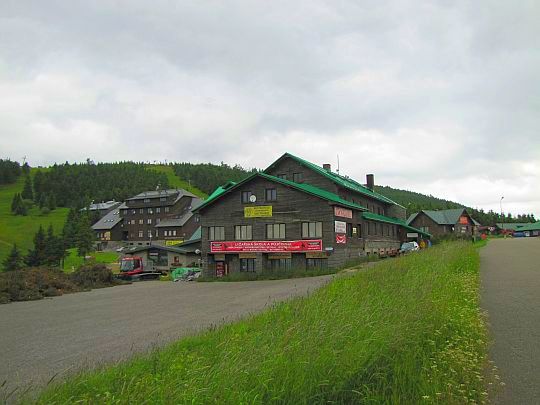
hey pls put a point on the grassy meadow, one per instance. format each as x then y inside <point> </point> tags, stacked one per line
<point>175,181</point>
<point>405,331</point>
<point>21,229</point>
<point>73,261</point>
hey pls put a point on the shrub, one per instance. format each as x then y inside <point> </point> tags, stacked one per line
<point>93,276</point>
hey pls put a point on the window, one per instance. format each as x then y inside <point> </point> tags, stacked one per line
<point>162,198</point>
<point>157,233</point>
<point>125,212</point>
<point>150,234</point>
<point>279,264</point>
<point>141,210</point>
<point>158,210</point>
<point>424,229</point>
<point>359,230</point>
<point>140,234</point>
<point>141,221</point>
<point>316,263</point>
<point>271,194</point>
<point>275,231</point>
<point>245,196</point>
<point>149,221</point>
<point>349,230</point>
<point>216,233</point>
<point>282,176</point>
<point>242,232</point>
<point>297,177</point>
<point>150,211</point>
<point>247,265</point>
<point>133,212</point>
<point>174,232</point>
<point>166,209</point>
<point>312,230</point>
<point>158,220</point>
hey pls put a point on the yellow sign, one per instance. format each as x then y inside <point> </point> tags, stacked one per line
<point>258,211</point>
<point>173,242</point>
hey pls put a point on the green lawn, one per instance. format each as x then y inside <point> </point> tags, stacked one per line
<point>73,261</point>
<point>405,331</point>
<point>175,181</point>
<point>21,229</point>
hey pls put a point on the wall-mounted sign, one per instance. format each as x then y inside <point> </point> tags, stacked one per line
<point>276,256</point>
<point>342,212</point>
<point>247,255</point>
<point>316,255</point>
<point>463,220</point>
<point>259,211</point>
<point>412,235</point>
<point>341,238</point>
<point>173,242</point>
<point>340,227</point>
<point>267,246</point>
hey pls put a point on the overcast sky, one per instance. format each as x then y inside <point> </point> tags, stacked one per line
<point>439,97</point>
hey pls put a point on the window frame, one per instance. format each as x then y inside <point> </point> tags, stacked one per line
<point>245,196</point>
<point>273,194</point>
<point>298,177</point>
<point>271,231</point>
<point>212,233</point>
<point>243,230</point>
<point>310,229</point>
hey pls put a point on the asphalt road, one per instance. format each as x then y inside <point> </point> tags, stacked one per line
<point>40,340</point>
<point>510,279</point>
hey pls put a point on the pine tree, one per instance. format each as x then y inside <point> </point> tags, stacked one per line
<point>42,201</point>
<point>26,168</point>
<point>37,256</point>
<point>15,203</point>
<point>28,193</point>
<point>85,235</point>
<point>51,202</point>
<point>14,261</point>
<point>54,248</point>
<point>69,233</point>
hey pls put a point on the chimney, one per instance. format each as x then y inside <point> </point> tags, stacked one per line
<point>327,167</point>
<point>370,181</point>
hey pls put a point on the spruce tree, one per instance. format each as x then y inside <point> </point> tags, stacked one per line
<point>14,261</point>
<point>37,256</point>
<point>69,233</point>
<point>51,202</point>
<point>54,248</point>
<point>85,235</point>
<point>15,203</point>
<point>28,193</point>
<point>26,168</point>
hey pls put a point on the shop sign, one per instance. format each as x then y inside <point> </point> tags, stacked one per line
<point>316,255</point>
<point>340,227</point>
<point>173,242</point>
<point>463,220</point>
<point>266,246</point>
<point>412,235</point>
<point>275,256</point>
<point>341,238</point>
<point>259,211</point>
<point>247,255</point>
<point>342,212</point>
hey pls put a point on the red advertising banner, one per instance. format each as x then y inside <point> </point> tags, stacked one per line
<point>312,245</point>
<point>342,212</point>
<point>341,238</point>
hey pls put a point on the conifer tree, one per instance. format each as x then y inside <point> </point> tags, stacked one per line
<point>26,168</point>
<point>69,233</point>
<point>28,193</point>
<point>37,256</point>
<point>54,248</point>
<point>85,235</point>
<point>51,202</point>
<point>15,203</point>
<point>14,261</point>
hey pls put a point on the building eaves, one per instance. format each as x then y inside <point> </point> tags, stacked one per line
<point>109,221</point>
<point>534,226</point>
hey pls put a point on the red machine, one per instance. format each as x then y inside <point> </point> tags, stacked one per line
<point>132,268</point>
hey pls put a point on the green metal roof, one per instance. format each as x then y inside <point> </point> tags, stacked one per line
<point>342,181</point>
<point>441,217</point>
<point>381,218</point>
<point>513,226</point>
<point>306,188</point>
<point>535,226</point>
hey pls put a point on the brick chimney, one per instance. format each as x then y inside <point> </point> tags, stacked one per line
<point>327,167</point>
<point>370,181</point>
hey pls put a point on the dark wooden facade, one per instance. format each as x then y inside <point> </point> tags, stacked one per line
<point>463,227</point>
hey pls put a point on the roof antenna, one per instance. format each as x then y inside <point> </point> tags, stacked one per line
<point>338,164</point>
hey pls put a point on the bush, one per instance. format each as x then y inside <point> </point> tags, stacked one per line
<point>45,211</point>
<point>94,276</point>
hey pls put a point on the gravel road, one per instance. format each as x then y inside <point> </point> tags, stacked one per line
<point>510,276</point>
<point>57,336</point>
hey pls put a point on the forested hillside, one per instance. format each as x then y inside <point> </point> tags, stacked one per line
<point>207,176</point>
<point>78,184</point>
<point>9,171</point>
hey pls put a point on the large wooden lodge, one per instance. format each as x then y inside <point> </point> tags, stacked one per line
<point>296,214</point>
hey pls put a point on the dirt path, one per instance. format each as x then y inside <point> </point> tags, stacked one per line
<point>40,340</point>
<point>510,276</point>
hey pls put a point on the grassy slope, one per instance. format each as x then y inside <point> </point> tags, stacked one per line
<point>73,261</point>
<point>21,229</point>
<point>175,181</point>
<point>405,331</point>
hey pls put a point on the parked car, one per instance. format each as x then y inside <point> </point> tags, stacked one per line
<point>408,247</point>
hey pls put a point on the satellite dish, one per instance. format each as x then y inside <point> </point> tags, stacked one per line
<point>252,198</point>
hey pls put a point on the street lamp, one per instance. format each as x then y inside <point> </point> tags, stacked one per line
<point>500,202</point>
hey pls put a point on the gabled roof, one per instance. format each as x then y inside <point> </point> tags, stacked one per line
<point>381,218</point>
<point>306,188</point>
<point>173,249</point>
<point>535,226</point>
<point>108,205</point>
<point>109,221</point>
<point>179,193</point>
<point>442,217</point>
<point>342,181</point>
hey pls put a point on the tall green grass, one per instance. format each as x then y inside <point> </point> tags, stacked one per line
<point>405,331</point>
<point>175,181</point>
